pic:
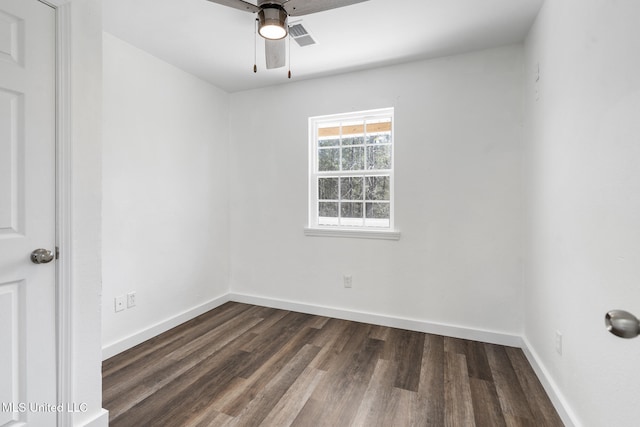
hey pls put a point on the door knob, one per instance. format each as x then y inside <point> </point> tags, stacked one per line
<point>622,324</point>
<point>41,256</point>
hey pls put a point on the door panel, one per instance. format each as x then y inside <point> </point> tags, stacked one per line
<point>9,354</point>
<point>27,213</point>
<point>11,38</point>
<point>11,202</point>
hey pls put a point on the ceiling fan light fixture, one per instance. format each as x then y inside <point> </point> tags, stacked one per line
<point>272,22</point>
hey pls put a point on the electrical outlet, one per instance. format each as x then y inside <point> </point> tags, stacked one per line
<point>131,299</point>
<point>347,279</point>
<point>119,303</point>
<point>559,342</point>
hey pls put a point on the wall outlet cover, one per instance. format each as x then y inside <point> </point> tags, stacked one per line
<point>559,342</point>
<point>348,280</point>
<point>119,303</point>
<point>131,299</point>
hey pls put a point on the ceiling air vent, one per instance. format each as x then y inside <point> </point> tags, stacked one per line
<point>301,35</point>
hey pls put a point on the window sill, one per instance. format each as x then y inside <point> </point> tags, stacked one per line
<point>352,233</point>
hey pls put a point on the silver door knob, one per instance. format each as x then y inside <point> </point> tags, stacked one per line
<point>622,324</point>
<point>41,256</point>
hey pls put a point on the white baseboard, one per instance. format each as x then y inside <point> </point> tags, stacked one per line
<point>557,398</point>
<point>559,402</point>
<point>493,337</point>
<point>101,420</point>
<point>383,320</point>
<point>136,338</point>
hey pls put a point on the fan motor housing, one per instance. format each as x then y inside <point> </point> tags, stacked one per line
<point>272,20</point>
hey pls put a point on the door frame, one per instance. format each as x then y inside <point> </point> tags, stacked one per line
<point>64,308</point>
<point>63,198</point>
<point>71,50</point>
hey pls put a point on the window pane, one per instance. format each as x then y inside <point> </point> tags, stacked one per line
<point>329,131</point>
<point>328,159</point>
<point>378,210</point>
<point>351,188</point>
<point>351,210</point>
<point>379,125</point>
<point>328,209</point>
<point>377,187</point>
<point>379,157</point>
<point>352,128</point>
<point>328,189</point>
<point>353,140</point>
<point>329,142</point>
<point>382,138</point>
<point>352,158</point>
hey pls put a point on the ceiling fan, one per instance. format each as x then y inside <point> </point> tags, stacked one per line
<point>272,20</point>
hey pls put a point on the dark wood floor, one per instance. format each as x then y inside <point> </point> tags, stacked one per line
<point>248,366</point>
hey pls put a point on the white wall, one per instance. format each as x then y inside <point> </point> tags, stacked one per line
<point>583,175</point>
<point>165,190</point>
<point>458,194</point>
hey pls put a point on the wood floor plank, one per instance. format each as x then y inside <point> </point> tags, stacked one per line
<point>271,318</point>
<point>378,393</point>
<point>232,393</point>
<point>291,403</point>
<point>201,393</point>
<point>245,365</point>
<point>269,342</point>
<point>312,411</point>
<point>117,362</point>
<point>329,340</point>
<point>477,362</point>
<point>352,337</point>
<point>341,391</point>
<point>401,409</point>
<point>117,368</point>
<point>330,332</point>
<point>396,411</point>
<point>457,391</point>
<point>515,421</point>
<point>431,387</point>
<point>235,402</point>
<point>513,400</point>
<point>151,377</point>
<point>319,322</point>
<point>486,405</point>
<point>379,332</point>
<point>405,348</point>
<point>455,345</point>
<point>195,389</point>
<point>539,402</point>
<point>257,409</point>
<point>210,418</point>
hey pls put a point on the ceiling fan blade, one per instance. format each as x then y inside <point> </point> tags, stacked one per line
<point>238,4</point>
<point>276,53</point>
<point>305,7</point>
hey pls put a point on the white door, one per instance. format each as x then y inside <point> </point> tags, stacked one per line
<point>27,213</point>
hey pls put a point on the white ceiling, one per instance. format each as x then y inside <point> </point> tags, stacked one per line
<point>216,43</point>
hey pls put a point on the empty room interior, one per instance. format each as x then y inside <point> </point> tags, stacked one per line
<point>508,220</point>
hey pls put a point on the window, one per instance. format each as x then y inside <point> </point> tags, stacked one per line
<point>351,173</point>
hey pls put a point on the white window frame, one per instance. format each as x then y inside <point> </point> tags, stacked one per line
<point>364,231</point>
